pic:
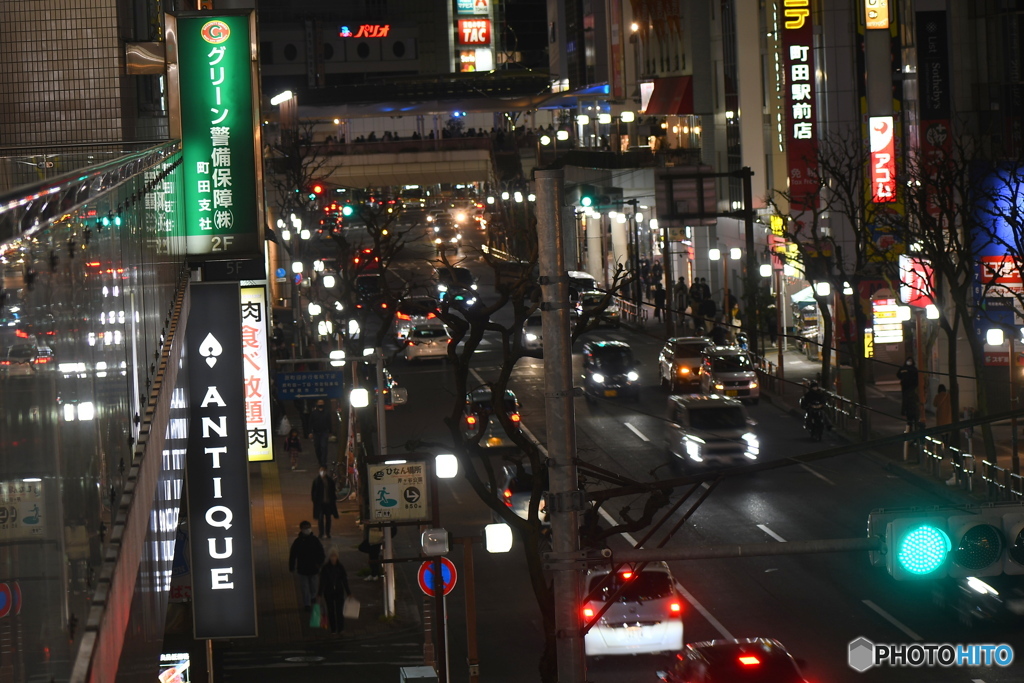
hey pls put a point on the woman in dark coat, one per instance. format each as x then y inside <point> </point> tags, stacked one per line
<point>325,501</point>
<point>334,589</point>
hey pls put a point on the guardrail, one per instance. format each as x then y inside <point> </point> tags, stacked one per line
<point>630,311</point>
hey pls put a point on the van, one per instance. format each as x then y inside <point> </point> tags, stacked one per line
<point>728,371</point>
<point>582,282</point>
<point>709,430</point>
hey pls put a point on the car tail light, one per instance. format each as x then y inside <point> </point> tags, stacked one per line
<point>412,343</point>
<point>21,334</point>
<point>749,660</point>
<point>683,370</point>
<point>588,613</point>
<point>40,361</point>
<point>514,417</point>
<point>449,340</point>
<point>430,316</point>
<point>675,608</point>
<point>403,316</point>
<point>5,362</point>
<point>507,495</point>
<point>384,305</point>
<point>471,419</point>
<point>626,576</point>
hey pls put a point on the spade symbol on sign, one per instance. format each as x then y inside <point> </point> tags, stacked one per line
<point>210,349</point>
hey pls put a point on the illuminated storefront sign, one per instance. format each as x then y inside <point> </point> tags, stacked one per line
<point>801,121</point>
<point>480,59</point>
<point>887,326</point>
<point>220,138</point>
<point>365,31</point>
<point>474,31</point>
<point>883,159</point>
<point>256,369</point>
<point>22,510</point>
<point>220,528</point>
<point>915,281</point>
<point>876,13</point>
<point>473,6</point>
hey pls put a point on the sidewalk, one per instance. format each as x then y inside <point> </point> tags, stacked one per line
<point>372,648</point>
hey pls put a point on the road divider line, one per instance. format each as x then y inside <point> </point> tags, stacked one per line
<point>892,620</point>
<point>771,533</point>
<point>636,431</point>
<point>722,630</point>
<point>818,474</point>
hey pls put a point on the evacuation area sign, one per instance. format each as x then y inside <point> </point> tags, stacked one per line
<point>398,493</point>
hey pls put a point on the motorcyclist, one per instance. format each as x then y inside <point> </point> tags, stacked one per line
<point>814,399</point>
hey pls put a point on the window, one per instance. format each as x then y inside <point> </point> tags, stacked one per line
<point>717,417</point>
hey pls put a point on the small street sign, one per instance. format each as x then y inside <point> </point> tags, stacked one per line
<point>425,576</point>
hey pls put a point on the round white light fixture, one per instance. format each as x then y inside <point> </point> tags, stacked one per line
<point>714,254</point>
<point>822,288</point>
<point>359,398</point>
<point>765,270</point>
<point>627,117</point>
<point>994,337</point>
<point>446,465</point>
<point>498,538</point>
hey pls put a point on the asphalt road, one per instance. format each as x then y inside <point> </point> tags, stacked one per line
<point>814,604</point>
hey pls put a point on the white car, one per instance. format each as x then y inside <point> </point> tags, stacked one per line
<point>533,337</point>
<point>710,430</point>
<point>646,617</point>
<point>427,341</point>
<point>515,488</point>
<point>412,311</point>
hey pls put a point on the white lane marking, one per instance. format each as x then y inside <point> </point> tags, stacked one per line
<point>891,619</point>
<point>724,632</point>
<point>818,474</point>
<point>771,533</point>
<point>636,431</point>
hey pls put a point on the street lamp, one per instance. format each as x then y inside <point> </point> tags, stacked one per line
<point>822,288</point>
<point>498,538</point>
<point>765,270</point>
<point>359,398</point>
<point>328,281</point>
<point>297,267</point>
<point>446,465</point>
<point>314,308</point>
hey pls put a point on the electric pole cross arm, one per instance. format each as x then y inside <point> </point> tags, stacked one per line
<point>711,552</point>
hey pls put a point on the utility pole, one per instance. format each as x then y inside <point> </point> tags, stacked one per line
<point>382,446</point>
<point>561,421</point>
<point>752,279</point>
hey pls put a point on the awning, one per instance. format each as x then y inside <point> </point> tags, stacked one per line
<point>671,97</point>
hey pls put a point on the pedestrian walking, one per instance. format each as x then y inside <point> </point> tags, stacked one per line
<point>705,290</point>
<point>372,545</point>
<point>293,446</point>
<point>657,271</point>
<point>696,293</point>
<point>659,298</point>
<point>320,431</point>
<point>680,299</point>
<point>334,589</point>
<point>908,377</point>
<point>325,501</point>
<point>304,560</point>
<point>708,311</point>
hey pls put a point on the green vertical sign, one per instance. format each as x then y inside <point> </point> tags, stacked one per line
<point>218,129</point>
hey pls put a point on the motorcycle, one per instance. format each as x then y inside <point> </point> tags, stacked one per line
<point>815,420</point>
<point>741,341</point>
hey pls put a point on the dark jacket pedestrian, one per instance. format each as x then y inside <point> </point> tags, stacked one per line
<point>696,293</point>
<point>334,589</point>
<point>320,431</point>
<point>659,299</point>
<point>708,309</point>
<point>657,271</point>
<point>719,336</point>
<point>705,290</point>
<point>304,559</point>
<point>325,501</point>
<point>909,377</point>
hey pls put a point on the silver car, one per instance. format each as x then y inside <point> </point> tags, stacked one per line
<point>710,430</point>
<point>427,341</point>
<point>645,617</point>
<point>728,371</point>
<point>533,337</point>
<point>515,489</point>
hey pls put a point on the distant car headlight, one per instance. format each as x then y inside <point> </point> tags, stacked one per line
<point>437,240</point>
<point>473,287</point>
<point>598,377</point>
<point>683,370</point>
<point>430,219</point>
<point>454,240</point>
<point>632,376</point>
<point>460,217</point>
<point>442,288</point>
<point>437,229</point>
<point>531,337</point>
<point>719,386</point>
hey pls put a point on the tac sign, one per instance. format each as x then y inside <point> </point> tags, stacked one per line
<point>425,576</point>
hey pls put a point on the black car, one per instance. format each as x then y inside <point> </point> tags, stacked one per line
<point>610,370</point>
<point>997,600</point>
<point>369,291</point>
<point>747,660</point>
<point>457,286</point>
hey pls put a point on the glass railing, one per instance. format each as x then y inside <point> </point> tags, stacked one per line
<point>92,261</point>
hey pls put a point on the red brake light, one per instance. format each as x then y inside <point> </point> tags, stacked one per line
<point>588,613</point>
<point>412,343</point>
<point>471,419</point>
<point>749,660</point>
<point>5,362</point>
<point>430,316</point>
<point>21,333</point>
<point>384,305</point>
<point>40,361</point>
<point>507,493</point>
<point>403,316</point>
<point>675,608</point>
<point>514,417</point>
<point>626,576</point>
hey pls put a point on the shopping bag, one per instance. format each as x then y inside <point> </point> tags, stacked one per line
<point>351,608</point>
<point>314,617</point>
<point>284,426</point>
<point>324,622</point>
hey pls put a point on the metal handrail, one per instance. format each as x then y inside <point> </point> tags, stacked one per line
<point>26,210</point>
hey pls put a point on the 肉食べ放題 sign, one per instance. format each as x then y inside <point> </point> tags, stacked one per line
<point>219,135</point>
<point>256,369</point>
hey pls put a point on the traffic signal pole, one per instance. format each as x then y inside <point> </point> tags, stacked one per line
<point>566,500</point>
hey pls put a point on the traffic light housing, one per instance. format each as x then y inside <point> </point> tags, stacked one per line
<point>957,542</point>
<point>315,190</point>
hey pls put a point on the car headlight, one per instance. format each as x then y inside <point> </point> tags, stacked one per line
<point>598,377</point>
<point>460,217</point>
<point>473,287</point>
<point>437,229</point>
<point>693,450</point>
<point>430,219</point>
<point>753,384</point>
<point>719,386</point>
<point>531,337</point>
<point>632,376</point>
<point>753,445</point>
<point>442,288</point>
<point>683,370</point>
<point>454,240</point>
<point>437,240</point>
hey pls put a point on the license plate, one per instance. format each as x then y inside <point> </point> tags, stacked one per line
<point>731,392</point>
<point>634,631</point>
<point>610,392</point>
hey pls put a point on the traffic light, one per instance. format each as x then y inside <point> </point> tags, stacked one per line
<point>347,210</point>
<point>315,190</point>
<point>957,542</point>
<point>586,195</point>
